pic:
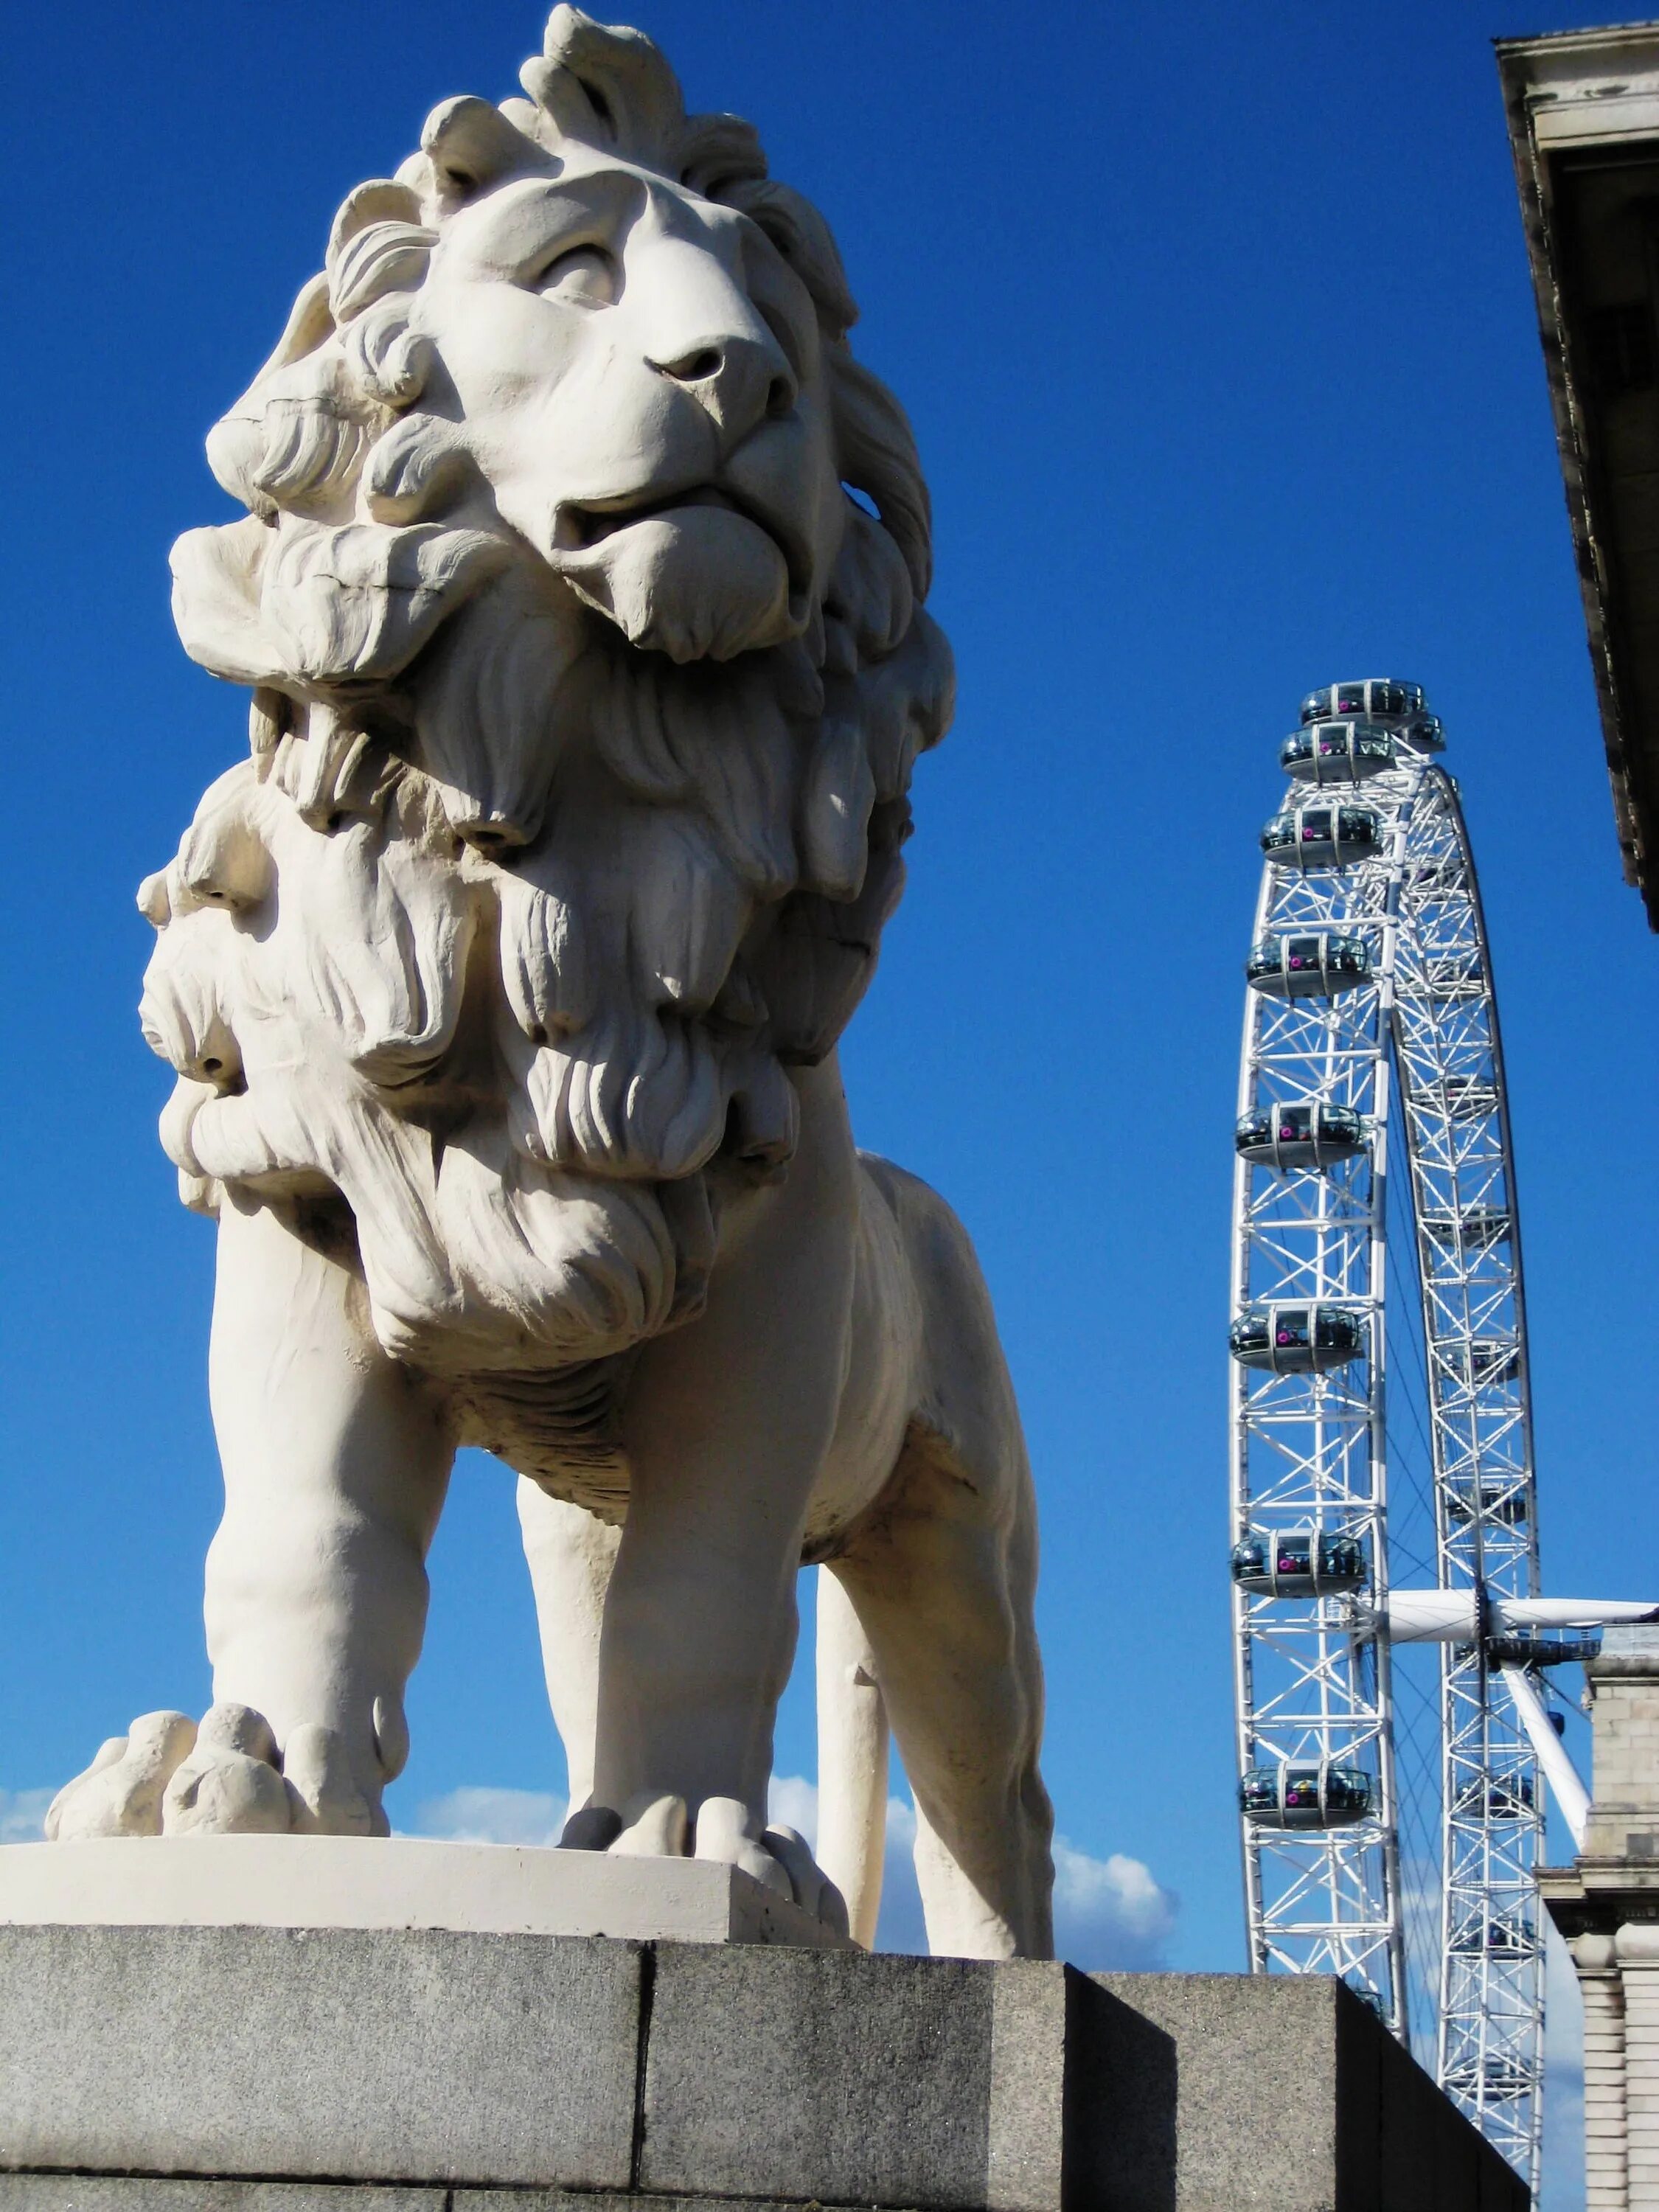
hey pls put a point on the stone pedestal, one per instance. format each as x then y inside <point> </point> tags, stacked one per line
<point>242,2068</point>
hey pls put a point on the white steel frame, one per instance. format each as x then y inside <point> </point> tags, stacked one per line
<point>1313,1682</point>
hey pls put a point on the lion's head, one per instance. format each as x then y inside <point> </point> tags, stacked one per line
<point>581,598</point>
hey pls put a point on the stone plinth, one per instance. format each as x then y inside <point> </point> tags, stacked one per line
<point>261,2070</point>
<point>353,1881</point>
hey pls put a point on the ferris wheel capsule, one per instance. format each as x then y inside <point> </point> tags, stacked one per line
<point>1460,1097</point>
<point>1375,699</point>
<point>1504,1502</point>
<point>1314,965</point>
<point>1337,752</point>
<point>1322,1797</point>
<point>1322,836</point>
<point>1476,1361</point>
<point>1498,1797</point>
<point>1542,1650</point>
<point>1296,1340</point>
<point>1298,1563</point>
<point>1497,2081</point>
<point>1501,1935</point>
<point>1477,1228</point>
<point>1307,1133</point>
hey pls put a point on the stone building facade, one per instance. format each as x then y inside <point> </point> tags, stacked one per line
<point>1607,1906</point>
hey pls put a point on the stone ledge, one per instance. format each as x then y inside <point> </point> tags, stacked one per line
<point>400,1881</point>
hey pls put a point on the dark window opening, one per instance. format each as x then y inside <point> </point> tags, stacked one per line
<point>1624,352</point>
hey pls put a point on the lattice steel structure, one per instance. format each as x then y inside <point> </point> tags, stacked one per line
<point>1371,1012</point>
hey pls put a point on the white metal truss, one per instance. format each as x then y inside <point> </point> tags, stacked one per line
<point>1415,1037</point>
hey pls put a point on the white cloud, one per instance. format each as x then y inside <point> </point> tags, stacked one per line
<point>492,1816</point>
<point>1108,1912</point>
<point>22,1814</point>
<point>792,1801</point>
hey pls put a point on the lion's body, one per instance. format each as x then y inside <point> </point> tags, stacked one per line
<point>503,982</point>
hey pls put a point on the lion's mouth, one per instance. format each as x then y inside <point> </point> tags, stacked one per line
<point>584,523</point>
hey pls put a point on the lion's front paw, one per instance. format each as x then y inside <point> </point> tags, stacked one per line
<point>236,1783</point>
<point>780,1857</point>
<point>120,1793</point>
<point>658,1827</point>
<point>231,1784</point>
<point>813,1890</point>
<point>167,1777</point>
<point>727,1831</point>
<point>322,1793</point>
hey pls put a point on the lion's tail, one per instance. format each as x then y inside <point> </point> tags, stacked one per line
<point>851,1759</point>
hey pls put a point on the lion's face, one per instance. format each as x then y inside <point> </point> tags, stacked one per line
<point>639,378</point>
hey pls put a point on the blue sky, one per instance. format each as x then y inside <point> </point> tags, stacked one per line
<point>1215,327</point>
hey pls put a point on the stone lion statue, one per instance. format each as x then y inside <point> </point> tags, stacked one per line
<point>580,598</point>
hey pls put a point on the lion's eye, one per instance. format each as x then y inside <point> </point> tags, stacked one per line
<point>584,276</point>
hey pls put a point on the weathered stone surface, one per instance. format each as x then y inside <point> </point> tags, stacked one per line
<point>417,2056</point>
<point>1291,2097</point>
<point>810,2061</point>
<point>139,2064</point>
<point>100,2192</point>
<point>561,2200</point>
<point>899,2080</point>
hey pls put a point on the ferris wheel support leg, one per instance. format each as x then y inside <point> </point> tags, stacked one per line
<point>1569,1792</point>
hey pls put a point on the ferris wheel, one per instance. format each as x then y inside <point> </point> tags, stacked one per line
<point>1391,1822</point>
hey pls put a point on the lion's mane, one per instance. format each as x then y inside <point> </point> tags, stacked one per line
<point>508,930</point>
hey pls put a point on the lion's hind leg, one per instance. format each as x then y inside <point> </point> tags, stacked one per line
<point>942,1575</point>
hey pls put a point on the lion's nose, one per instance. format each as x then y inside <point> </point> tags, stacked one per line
<point>743,381</point>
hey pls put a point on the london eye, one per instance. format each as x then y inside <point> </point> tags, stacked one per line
<point>1383,1482</point>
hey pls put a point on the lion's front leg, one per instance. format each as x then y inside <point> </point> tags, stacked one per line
<point>336,1462</point>
<point>726,1425</point>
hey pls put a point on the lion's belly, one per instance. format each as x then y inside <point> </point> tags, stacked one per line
<point>562,1429</point>
<point>879,1394</point>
